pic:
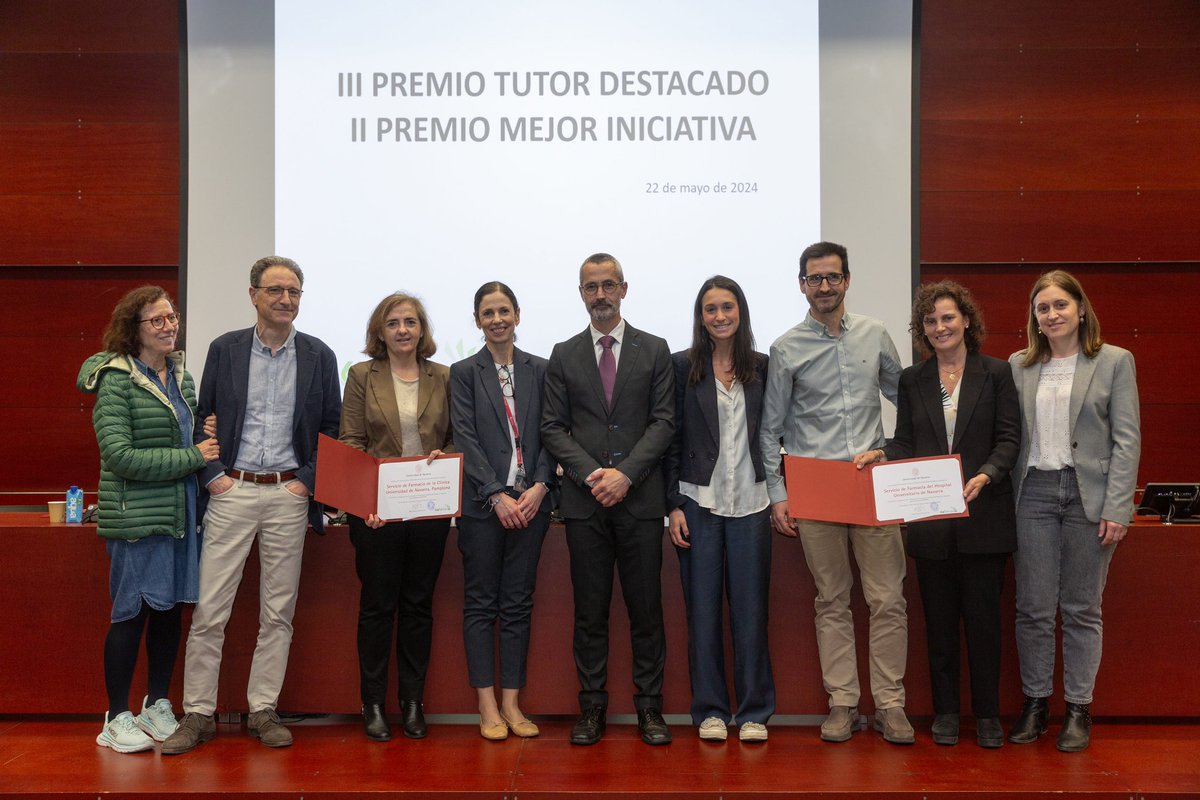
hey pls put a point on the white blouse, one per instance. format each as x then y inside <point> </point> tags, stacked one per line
<point>732,492</point>
<point>1050,444</point>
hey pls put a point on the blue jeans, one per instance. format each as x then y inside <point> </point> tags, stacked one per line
<point>729,556</point>
<point>1061,567</point>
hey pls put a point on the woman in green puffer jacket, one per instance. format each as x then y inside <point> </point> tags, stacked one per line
<point>145,407</point>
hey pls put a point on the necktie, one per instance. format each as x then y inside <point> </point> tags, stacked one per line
<point>608,368</point>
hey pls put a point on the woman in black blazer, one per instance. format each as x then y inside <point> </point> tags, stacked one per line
<point>719,516</point>
<point>960,401</point>
<point>496,408</point>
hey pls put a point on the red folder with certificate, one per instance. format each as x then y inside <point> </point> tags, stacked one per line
<point>907,490</point>
<point>392,488</point>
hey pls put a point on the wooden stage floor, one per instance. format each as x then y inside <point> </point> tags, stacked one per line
<point>332,759</point>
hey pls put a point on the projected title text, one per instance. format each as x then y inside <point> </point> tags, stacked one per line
<point>553,84</point>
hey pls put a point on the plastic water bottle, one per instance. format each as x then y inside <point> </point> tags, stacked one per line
<point>75,505</point>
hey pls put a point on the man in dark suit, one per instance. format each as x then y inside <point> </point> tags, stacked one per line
<point>272,389</point>
<point>608,418</point>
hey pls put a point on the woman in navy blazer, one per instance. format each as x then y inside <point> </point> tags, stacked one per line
<point>1075,480</point>
<point>397,404</point>
<point>496,409</point>
<point>719,517</point>
<point>961,402</point>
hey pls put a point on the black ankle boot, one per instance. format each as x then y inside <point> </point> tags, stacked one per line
<point>375,723</point>
<point>1032,722</point>
<point>414,719</point>
<point>1076,730</point>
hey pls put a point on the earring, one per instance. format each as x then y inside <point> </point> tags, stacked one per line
<point>1040,332</point>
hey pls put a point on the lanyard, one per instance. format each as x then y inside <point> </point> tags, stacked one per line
<point>512,420</point>
<point>512,423</point>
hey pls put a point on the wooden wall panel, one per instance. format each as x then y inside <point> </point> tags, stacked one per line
<point>91,229</point>
<point>1169,437</point>
<point>1059,226</point>
<point>1044,154</point>
<point>82,297</point>
<point>97,26</point>
<point>1086,84</point>
<point>1039,24</point>
<point>53,321</point>
<point>48,449</point>
<point>115,158</point>
<point>89,87</point>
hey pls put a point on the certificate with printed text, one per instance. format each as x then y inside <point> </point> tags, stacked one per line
<point>413,489</point>
<point>391,488</point>
<point>918,488</point>
<point>909,490</point>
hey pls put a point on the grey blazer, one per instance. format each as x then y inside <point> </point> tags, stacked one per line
<point>481,427</point>
<point>1106,437</point>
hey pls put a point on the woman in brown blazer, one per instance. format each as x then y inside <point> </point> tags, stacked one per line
<point>397,404</point>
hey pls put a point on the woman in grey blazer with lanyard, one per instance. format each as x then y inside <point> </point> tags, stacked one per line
<point>397,404</point>
<point>496,409</point>
<point>1075,480</point>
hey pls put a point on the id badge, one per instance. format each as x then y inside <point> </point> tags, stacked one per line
<point>519,480</point>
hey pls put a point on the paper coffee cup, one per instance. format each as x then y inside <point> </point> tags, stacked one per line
<point>58,510</point>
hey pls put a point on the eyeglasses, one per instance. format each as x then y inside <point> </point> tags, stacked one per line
<point>834,278</point>
<point>276,292</point>
<point>609,287</point>
<point>506,387</point>
<point>158,323</point>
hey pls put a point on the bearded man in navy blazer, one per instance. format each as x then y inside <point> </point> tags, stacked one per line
<point>272,389</point>
<point>608,417</point>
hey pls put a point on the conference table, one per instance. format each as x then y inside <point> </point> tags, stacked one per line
<point>54,611</point>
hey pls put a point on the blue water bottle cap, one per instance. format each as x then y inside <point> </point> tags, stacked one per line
<point>73,488</point>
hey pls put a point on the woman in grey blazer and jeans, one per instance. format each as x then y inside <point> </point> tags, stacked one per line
<point>1075,479</point>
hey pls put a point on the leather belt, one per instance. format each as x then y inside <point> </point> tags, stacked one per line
<point>261,477</point>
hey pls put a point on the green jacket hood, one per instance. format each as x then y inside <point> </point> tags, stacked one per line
<point>93,368</point>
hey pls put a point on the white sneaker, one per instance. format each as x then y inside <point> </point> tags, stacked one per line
<point>158,720</point>
<point>122,735</point>
<point>714,729</point>
<point>753,732</point>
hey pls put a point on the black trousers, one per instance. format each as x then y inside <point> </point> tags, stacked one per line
<point>398,566</point>
<point>613,536</point>
<point>963,587</point>
<point>499,575</point>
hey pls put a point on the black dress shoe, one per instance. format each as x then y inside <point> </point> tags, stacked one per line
<point>988,732</point>
<point>375,723</point>
<point>414,719</point>
<point>945,729</point>
<point>653,727</point>
<point>1076,730</point>
<point>590,726</point>
<point>1032,722</point>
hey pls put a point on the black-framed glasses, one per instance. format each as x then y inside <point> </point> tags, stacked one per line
<point>506,387</point>
<point>834,278</point>
<point>276,292</point>
<point>591,288</point>
<point>160,322</point>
